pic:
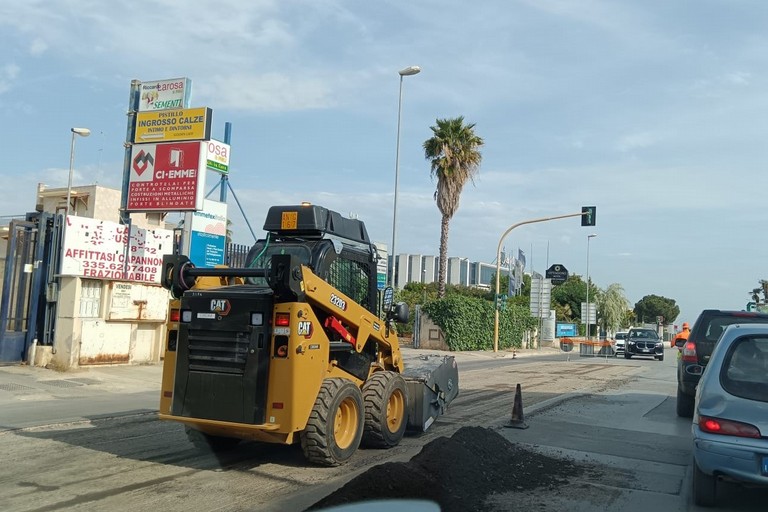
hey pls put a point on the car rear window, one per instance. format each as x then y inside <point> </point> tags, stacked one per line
<point>706,333</point>
<point>745,369</point>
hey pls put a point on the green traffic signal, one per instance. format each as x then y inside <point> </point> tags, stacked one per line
<point>588,214</point>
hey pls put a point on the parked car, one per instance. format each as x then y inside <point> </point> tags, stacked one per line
<point>644,342</point>
<point>620,340</point>
<point>697,349</point>
<point>730,424</point>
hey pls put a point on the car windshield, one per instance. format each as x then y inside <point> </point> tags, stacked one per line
<point>745,369</point>
<point>644,334</point>
<point>621,336</point>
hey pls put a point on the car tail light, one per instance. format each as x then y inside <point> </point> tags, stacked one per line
<point>728,427</point>
<point>282,319</point>
<point>689,352</point>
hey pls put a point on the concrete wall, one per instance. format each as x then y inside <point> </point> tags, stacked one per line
<point>97,326</point>
<point>431,337</point>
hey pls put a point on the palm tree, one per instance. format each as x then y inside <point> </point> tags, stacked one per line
<point>455,158</point>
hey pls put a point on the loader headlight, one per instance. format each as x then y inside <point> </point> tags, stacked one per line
<point>186,315</point>
<point>257,318</point>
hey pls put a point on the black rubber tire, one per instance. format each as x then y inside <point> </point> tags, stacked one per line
<point>685,404</point>
<point>209,443</point>
<point>319,439</point>
<point>627,356</point>
<point>660,358</point>
<point>704,487</point>
<point>377,393</point>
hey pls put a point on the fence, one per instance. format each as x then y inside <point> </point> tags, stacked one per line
<point>235,255</point>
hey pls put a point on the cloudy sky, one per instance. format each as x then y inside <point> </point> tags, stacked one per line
<point>652,110</point>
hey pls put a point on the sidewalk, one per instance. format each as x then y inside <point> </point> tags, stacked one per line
<point>32,396</point>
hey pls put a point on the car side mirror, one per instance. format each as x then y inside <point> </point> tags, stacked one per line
<point>679,342</point>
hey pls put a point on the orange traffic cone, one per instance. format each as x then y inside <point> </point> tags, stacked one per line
<point>517,420</point>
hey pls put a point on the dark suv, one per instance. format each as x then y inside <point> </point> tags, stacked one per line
<point>695,352</point>
<point>643,342</point>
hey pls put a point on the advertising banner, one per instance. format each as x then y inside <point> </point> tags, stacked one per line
<point>209,235</point>
<point>164,94</point>
<point>217,156</point>
<point>100,249</point>
<point>173,125</point>
<point>167,177</point>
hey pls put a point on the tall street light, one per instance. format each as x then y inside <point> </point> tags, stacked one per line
<point>589,237</point>
<point>410,70</point>
<point>83,132</point>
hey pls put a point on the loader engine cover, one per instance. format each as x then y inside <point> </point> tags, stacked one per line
<point>433,383</point>
<point>223,355</point>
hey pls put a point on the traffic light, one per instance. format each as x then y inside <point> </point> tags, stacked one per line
<point>588,214</point>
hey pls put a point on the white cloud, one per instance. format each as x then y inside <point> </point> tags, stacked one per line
<point>640,140</point>
<point>38,46</point>
<point>8,75</point>
<point>266,92</point>
<point>738,78</point>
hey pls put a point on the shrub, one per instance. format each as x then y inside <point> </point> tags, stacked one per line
<point>467,322</point>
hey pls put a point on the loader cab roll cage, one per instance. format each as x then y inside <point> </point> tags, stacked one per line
<point>337,249</point>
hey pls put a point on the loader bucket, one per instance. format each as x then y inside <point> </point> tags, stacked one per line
<point>433,383</point>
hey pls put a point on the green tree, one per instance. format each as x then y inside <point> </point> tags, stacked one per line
<point>567,298</point>
<point>454,155</point>
<point>651,306</point>
<point>613,306</point>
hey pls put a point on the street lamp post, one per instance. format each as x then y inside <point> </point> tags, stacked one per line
<point>589,237</point>
<point>410,70</point>
<point>83,132</point>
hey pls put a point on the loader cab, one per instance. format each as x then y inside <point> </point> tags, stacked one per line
<point>337,249</point>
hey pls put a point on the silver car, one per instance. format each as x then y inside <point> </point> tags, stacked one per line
<point>730,422</point>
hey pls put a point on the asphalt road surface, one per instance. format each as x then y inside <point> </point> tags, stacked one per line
<point>105,449</point>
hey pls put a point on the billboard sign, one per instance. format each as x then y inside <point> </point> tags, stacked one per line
<point>541,295</point>
<point>173,125</point>
<point>100,249</point>
<point>557,273</point>
<point>164,94</point>
<point>566,330</point>
<point>167,177</point>
<point>208,237</point>
<point>217,156</point>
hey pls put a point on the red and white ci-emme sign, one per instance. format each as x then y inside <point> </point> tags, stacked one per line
<point>167,177</point>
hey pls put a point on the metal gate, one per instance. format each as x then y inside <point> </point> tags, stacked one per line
<point>28,300</point>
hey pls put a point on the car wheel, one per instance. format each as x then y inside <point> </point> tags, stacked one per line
<point>685,404</point>
<point>660,358</point>
<point>704,487</point>
<point>627,356</point>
